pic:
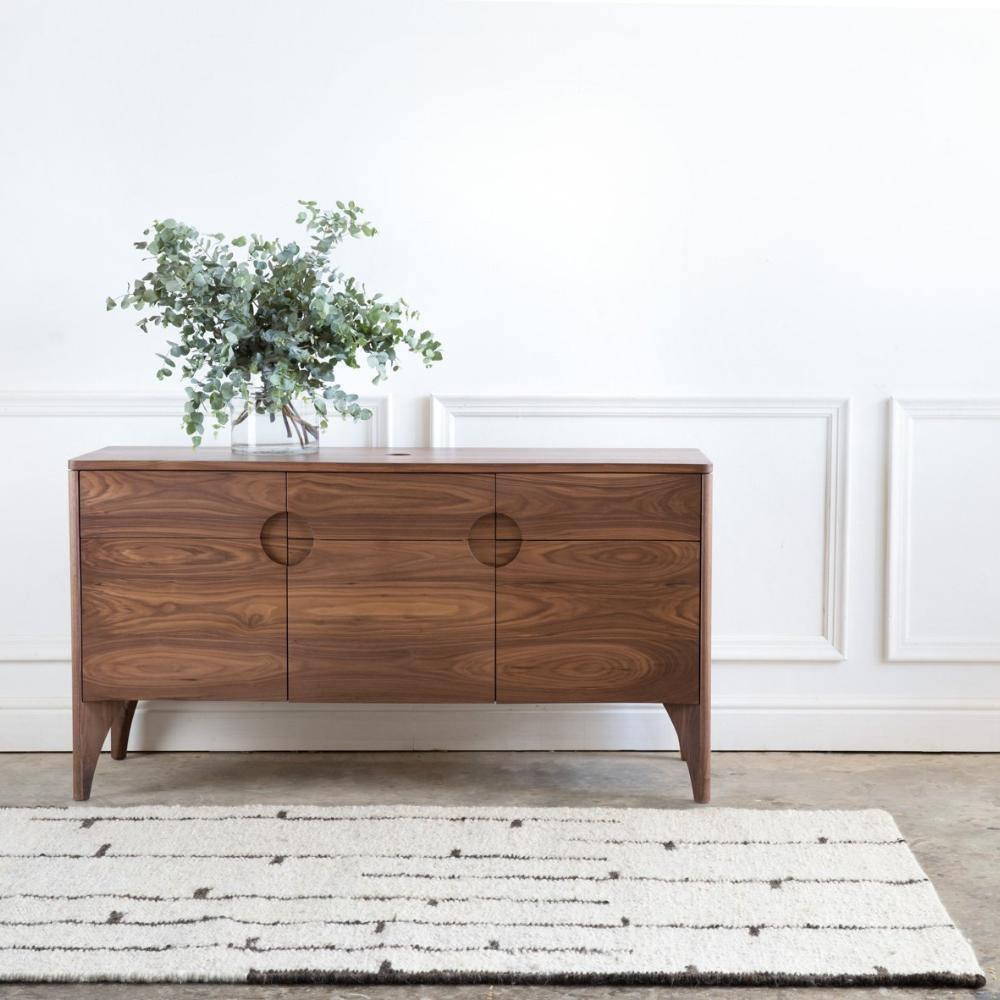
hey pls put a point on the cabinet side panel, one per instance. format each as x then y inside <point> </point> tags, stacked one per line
<point>76,628</point>
<point>706,603</point>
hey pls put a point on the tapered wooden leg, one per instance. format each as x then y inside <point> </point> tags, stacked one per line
<point>120,728</point>
<point>91,722</point>
<point>693,722</point>
<point>692,725</point>
<point>91,719</point>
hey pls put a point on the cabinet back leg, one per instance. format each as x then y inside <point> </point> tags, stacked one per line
<point>121,726</point>
<point>92,721</point>
<point>677,717</point>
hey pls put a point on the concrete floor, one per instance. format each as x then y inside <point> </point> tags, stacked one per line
<point>948,807</point>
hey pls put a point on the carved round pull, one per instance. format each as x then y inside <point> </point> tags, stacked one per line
<point>508,540</point>
<point>481,539</point>
<point>487,545</point>
<point>286,538</point>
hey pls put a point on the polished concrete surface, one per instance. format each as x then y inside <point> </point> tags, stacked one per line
<point>947,805</point>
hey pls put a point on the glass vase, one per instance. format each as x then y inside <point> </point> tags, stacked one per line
<point>258,426</point>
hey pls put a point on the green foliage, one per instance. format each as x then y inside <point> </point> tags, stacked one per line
<point>276,318</point>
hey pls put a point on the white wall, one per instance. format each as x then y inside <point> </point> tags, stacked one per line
<point>734,228</point>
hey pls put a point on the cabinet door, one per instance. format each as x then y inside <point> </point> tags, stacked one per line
<point>178,597</point>
<point>390,621</point>
<point>387,601</point>
<point>609,621</point>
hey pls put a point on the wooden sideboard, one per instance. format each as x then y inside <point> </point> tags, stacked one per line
<point>378,575</point>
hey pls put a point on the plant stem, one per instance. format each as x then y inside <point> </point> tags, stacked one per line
<point>308,430</point>
<point>288,428</point>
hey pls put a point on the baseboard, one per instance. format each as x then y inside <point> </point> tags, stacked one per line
<point>917,726</point>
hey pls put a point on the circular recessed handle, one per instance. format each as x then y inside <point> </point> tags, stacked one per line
<point>508,539</point>
<point>286,538</point>
<point>495,539</point>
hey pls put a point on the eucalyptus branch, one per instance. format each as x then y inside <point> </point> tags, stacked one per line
<point>246,315</point>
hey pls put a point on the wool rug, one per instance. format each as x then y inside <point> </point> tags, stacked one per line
<point>420,894</point>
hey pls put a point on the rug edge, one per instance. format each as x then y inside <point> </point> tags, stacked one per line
<point>302,977</point>
<point>85,808</point>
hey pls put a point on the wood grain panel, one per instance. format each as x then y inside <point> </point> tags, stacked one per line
<point>194,504</point>
<point>401,621</point>
<point>599,621</point>
<point>197,618</point>
<point>389,505</point>
<point>600,506</point>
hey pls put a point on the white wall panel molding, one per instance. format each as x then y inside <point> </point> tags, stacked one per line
<point>959,542</point>
<point>46,403</point>
<point>34,648</point>
<point>830,641</point>
<point>48,442</point>
<point>955,725</point>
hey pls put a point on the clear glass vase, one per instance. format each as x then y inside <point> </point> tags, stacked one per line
<point>258,427</point>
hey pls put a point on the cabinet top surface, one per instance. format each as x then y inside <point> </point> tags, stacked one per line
<point>686,460</point>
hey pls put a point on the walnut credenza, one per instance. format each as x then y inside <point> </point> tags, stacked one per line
<point>376,575</point>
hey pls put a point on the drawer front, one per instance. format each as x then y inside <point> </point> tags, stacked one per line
<point>599,621</point>
<point>599,506</point>
<point>390,506</point>
<point>166,618</point>
<point>179,504</point>
<point>398,621</point>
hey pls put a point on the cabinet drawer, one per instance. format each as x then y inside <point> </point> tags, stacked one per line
<point>390,506</point>
<point>599,506</point>
<point>179,504</point>
<point>599,621</point>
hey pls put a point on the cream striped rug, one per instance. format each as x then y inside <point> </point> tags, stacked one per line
<point>418,894</point>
